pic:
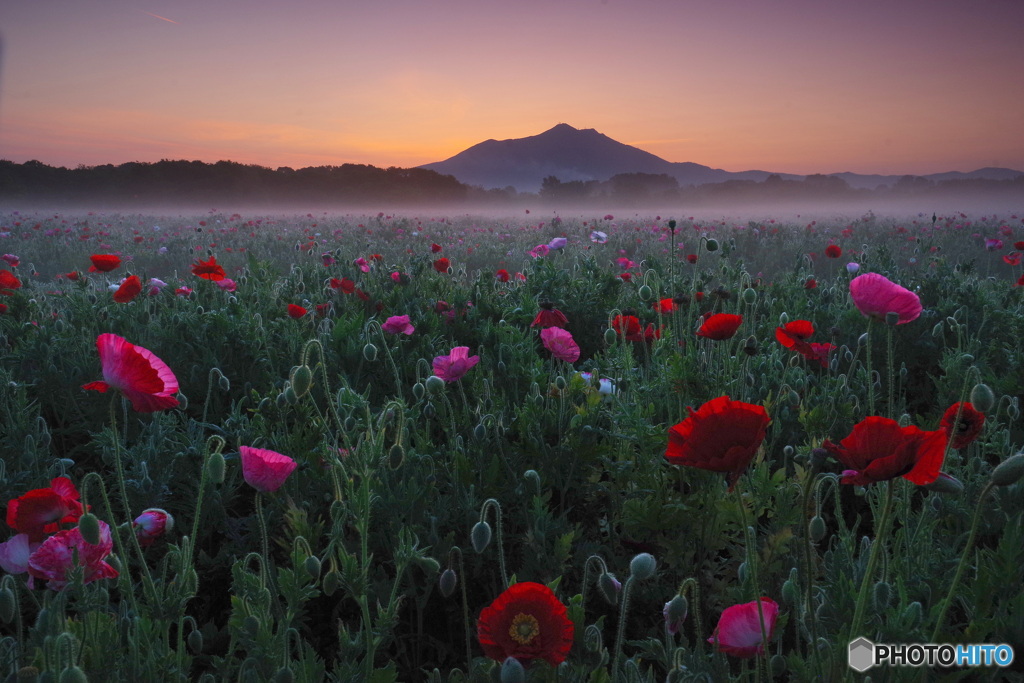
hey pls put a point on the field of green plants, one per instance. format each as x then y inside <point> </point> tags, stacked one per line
<point>381,448</point>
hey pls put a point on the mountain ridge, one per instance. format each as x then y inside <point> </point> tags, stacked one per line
<point>584,154</point>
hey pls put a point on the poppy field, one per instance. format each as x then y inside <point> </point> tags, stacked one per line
<point>329,447</point>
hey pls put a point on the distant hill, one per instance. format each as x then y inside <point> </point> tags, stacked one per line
<point>572,154</point>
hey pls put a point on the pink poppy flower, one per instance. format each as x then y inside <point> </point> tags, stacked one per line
<point>363,264</point>
<point>539,251</point>
<point>227,284</point>
<point>137,373</point>
<point>11,259</point>
<point>265,470</point>
<point>396,276</point>
<point>14,553</point>
<point>151,524</point>
<point>398,324</point>
<point>560,343</point>
<point>56,556</point>
<point>183,291</point>
<point>328,259</point>
<point>739,628</point>
<point>452,367</point>
<point>876,296</point>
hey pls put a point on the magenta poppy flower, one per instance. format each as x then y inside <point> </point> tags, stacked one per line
<point>144,379</point>
<point>396,276</point>
<point>227,284</point>
<point>265,470</point>
<point>363,264</point>
<point>56,556</point>
<point>41,511</point>
<point>328,258</point>
<point>398,324</point>
<point>452,367</point>
<point>739,628</point>
<point>11,260</point>
<point>560,343</point>
<point>151,524</point>
<point>876,296</point>
<point>539,251</point>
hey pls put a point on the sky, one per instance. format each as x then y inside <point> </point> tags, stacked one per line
<point>792,86</point>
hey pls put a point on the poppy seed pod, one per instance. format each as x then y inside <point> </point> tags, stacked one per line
<point>711,244</point>
<point>480,536</point>
<point>1009,471</point>
<point>642,566</point>
<point>89,527</point>
<point>447,582</point>
<point>982,398</point>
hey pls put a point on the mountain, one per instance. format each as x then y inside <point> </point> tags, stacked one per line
<point>570,154</point>
<point>573,154</point>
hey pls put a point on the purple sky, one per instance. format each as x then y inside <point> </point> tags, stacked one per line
<point>799,86</point>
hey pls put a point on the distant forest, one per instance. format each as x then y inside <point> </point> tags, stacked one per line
<point>194,182</point>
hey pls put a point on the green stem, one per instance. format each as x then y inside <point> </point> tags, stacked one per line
<point>264,541</point>
<point>963,563</point>
<point>621,631</point>
<point>877,548</point>
<point>871,381</point>
<point>751,558</point>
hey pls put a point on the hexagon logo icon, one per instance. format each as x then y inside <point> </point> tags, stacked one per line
<point>862,655</point>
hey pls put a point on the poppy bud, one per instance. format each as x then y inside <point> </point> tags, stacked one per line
<point>182,401</point>
<point>912,615</point>
<point>302,380</point>
<point>610,587</point>
<point>512,671</point>
<point>72,674</point>
<point>750,296</point>
<point>645,293</point>
<point>435,384</point>
<point>789,592</point>
<point>711,244</point>
<point>945,484</point>
<point>215,468</point>
<point>609,336</point>
<point>675,611</point>
<point>396,456</point>
<point>880,595</point>
<point>370,352</point>
<point>982,398</point>
<point>418,390</point>
<point>8,605</point>
<point>224,383</point>
<point>447,582</point>
<point>817,529</point>
<point>195,641</point>
<point>778,665</point>
<point>642,566</point>
<point>290,397</point>
<point>672,225</point>
<point>89,527</point>
<point>311,565</point>
<point>151,524</point>
<point>1009,471</point>
<point>480,536</point>
<point>862,340</point>
<point>480,432</point>
<point>284,675</point>
<point>350,423</point>
<point>332,581</point>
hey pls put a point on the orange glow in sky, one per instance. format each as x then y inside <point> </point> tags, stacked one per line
<point>796,86</point>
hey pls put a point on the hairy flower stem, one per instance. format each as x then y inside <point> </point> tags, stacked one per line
<point>877,548</point>
<point>621,631</point>
<point>124,576</point>
<point>891,370</point>
<point>492,503</point>
<point>868,366</point>
<point>751,559</point>
<point>808,552</point>
<point>465,607</point>
<point>264,541</point>
<point>962,565</point>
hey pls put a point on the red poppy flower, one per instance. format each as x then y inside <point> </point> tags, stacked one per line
<point>40,512</point>
<point>361,294</point>
<point>527,622</point>
<point>665,305</point>
<point>691,258</point>
<point>502,275</point>
<point>1020,281</point>
<point>966,428</point>
<point>1019,246</point>
<point>650,333</point>
<point>73,276</point>
<point>104,263</point>
<point>128,290</point>
<point>3,308</point>
<point>296,311</point>
<point>442,264</point>
<point>738,632</point>
<point>376,257</point>
<point>209,270</point>
<point>833,251</point>
<point>138,374</point>
<point>720,326</point>
<point>1013,258</point>
<point>8,281</point>
<point>811,283</point>
<point>723,436</point>
<point>628,326</point>
<point>878,449</point>
<point>322,310</point>
<point>435,247</point>
<point>794,333</point>
<point>345,284</point>
<point>549,316</point>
